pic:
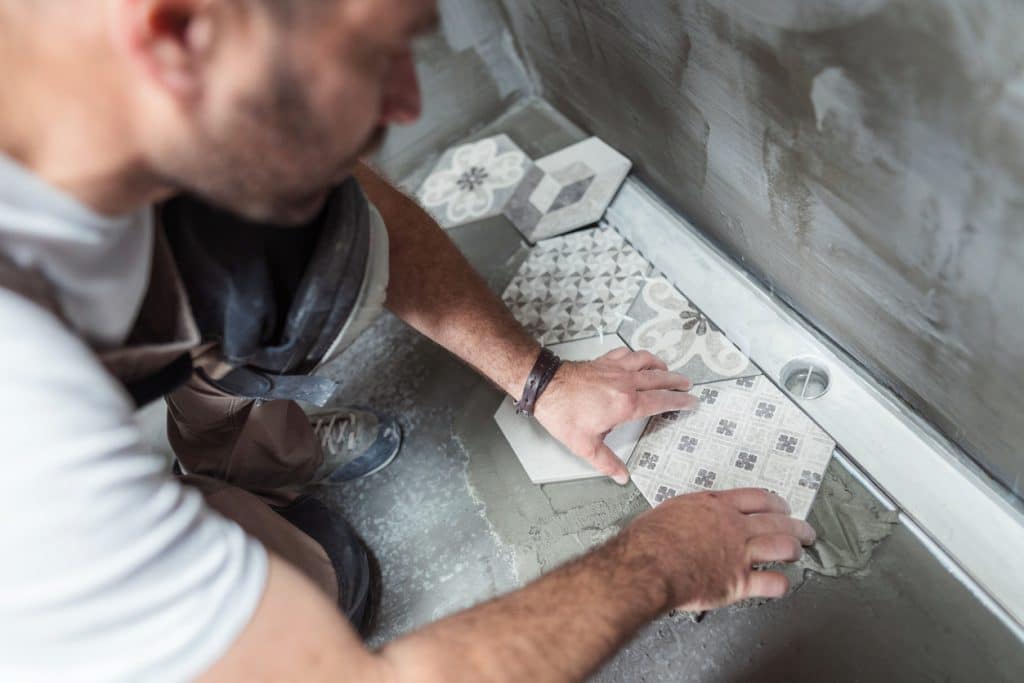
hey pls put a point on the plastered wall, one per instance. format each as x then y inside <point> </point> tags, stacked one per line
<point>470,72</point>
<point>864,158</point>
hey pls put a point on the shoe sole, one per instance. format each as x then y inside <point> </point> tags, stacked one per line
<point>373,600</point>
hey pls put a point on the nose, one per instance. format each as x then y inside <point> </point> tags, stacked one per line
<point>402,99</point>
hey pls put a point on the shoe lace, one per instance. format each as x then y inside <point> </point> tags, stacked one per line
<point>336,432</point>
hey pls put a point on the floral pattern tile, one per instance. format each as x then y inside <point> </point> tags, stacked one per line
<point>745,433</point>
<point>577,286</point>
<point>474,181</point>
<point>664,322</point>
<point>567,190</point>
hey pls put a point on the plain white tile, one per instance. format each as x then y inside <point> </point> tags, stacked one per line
<point>543,457</point>
<point>594,152</point>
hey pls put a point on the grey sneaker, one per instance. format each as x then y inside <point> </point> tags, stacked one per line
<point>356,443</point>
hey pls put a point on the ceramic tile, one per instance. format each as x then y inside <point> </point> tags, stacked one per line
<point>543,457</point>
<point>577,286</point>
<point>474,181</point>
<point>745,433</point>
<point>567,190</point>
<point>664,322</point>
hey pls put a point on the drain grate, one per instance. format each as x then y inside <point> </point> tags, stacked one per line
<point>805,378</point>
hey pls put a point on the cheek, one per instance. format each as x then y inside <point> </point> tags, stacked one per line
<point>348,114</point>
<point>360,106</point>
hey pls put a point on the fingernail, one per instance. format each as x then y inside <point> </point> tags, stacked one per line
<point>621,479</point>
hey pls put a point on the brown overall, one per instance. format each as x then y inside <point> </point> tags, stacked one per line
<point>242,455</point>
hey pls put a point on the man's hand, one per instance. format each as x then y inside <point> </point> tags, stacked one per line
<point>705,545</point>
<point>587,400</point>
<point>695,552</point>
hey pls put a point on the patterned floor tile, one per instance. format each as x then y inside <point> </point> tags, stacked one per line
<point>543,457</point>
<point>664,322</point>
<point>745,433</point>
<point>567,190</point>
<point>577,286</point>
<point>474,181</point>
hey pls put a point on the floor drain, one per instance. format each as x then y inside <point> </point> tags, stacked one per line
<point>805,378</point>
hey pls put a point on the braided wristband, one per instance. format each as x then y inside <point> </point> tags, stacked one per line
<point>540,376</point>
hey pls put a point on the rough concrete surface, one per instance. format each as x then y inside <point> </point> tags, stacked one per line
<point>455,521</point>
<point>865,158</point>
<point>849,525</point>
<point>544,525</point>
<point>437,552</point>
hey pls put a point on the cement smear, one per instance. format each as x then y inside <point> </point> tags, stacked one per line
<point>850,523</point>
<point>545,525</point>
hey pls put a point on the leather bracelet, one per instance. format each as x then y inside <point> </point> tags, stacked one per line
<point>540,376</point>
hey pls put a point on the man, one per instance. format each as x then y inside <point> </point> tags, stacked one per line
<point>115,570</point>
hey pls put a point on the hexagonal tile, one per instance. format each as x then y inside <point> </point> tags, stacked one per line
<point>474,181</point>
<point>567,190</point>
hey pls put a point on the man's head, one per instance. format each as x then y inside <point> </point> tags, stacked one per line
<point>260,106</point>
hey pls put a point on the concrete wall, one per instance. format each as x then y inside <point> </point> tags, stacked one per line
<point>865,158</point>
<point>470,72</point>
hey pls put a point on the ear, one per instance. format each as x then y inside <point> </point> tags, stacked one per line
<point>169,39</point>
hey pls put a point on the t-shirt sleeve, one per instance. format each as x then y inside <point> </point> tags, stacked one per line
<point>109,568</point>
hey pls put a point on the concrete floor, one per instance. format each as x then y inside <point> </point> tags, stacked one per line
<point>454,521</point>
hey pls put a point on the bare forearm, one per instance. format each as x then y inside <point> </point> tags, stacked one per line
<point>560,628</point>
<point>695,551</point>
<point>434,289</point>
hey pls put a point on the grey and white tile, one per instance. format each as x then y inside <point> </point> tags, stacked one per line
<point>567,190</point>
<point>663,321</point>
<point>577,286</point>
<point>543,457</point>
<point>745,433</point>
<point>474,181</point>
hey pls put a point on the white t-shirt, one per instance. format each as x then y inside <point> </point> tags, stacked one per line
<point>109,568</point>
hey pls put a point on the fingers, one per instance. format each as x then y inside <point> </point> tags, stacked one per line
<point>774,523</point>
<point>662,401</point>
<point>660,379</point>
<point>774,548</point>
<point>641,360</point>
<point>763,584</point>
<point>750,501</point>
<point>607,463</point>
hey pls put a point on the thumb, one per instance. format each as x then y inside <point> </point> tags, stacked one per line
<point>607,463</point>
